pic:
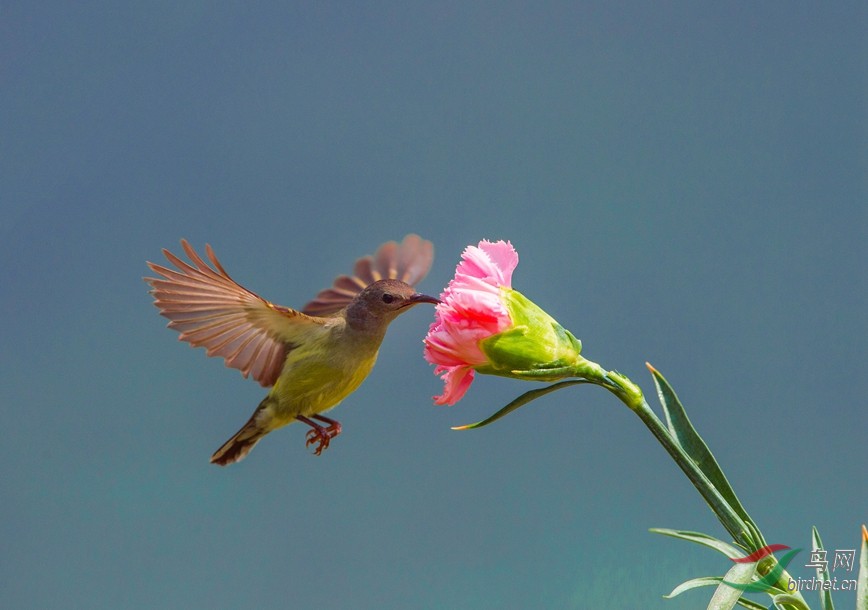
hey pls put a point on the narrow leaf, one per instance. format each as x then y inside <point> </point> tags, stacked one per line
<point>726,596</point>
<point>704,539</point>
<point>822,572</point>
<point>862,582</point>
<point>750,604</point>
<point>693,444</point>
<point>520,402</point>
<point>694,583</point>
<point>785,601</point>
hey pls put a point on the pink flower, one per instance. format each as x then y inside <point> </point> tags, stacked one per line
<point>471,311</point>
<point>485,326</point>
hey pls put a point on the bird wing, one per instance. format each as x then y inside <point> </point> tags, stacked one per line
<point>408,261</point>
<point>213,311</point>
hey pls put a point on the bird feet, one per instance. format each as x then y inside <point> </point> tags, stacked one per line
<point>321,435</point>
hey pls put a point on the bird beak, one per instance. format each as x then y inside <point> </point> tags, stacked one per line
<point>422,298</point>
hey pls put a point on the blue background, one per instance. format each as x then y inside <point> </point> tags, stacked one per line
<point>685,184</point>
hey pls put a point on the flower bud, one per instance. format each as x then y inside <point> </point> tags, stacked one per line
<point>483,325</point>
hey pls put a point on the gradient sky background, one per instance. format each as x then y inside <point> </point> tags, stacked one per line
<point>684,183</point>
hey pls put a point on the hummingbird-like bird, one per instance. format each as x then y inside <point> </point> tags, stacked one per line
<point>311,359</point>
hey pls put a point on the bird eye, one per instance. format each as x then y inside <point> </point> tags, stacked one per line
<point>388,298</point>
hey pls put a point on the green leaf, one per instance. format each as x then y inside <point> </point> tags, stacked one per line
<point>726,596</point>
<point>785,601</point>
<point>822,573</point>
<point>862,582</point>
<point>687,436</point>
<point>727,549</point>
<point>520,402</point>
<point>750,604</point>
<point>709,581</point>
<point>694,583</point>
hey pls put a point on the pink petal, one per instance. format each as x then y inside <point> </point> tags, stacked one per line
<point>492,262</point>
<point>456,381</point>
<point>504,257</point>
<point>454,345</point>
<point>471,311</point>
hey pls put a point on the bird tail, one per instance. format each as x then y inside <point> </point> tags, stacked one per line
<point>237,447</point>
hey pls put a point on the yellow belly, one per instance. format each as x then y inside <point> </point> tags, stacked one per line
<point>313,385</point>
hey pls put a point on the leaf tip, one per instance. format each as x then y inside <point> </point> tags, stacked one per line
<point>864,534</point>
<point>651,368</point>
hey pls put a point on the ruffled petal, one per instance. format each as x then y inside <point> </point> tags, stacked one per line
<point>504,258</point>
<point>456,381</point>
<point>491,262</point>
<point>472,310</point>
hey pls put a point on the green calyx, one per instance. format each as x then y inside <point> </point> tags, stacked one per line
<point>534,342</point>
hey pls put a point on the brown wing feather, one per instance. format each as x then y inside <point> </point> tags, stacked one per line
<point>414,259</point>
<point>213,311</point>
<point>408,261</point>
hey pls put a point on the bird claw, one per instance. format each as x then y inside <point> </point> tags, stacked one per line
<point>321,435</point>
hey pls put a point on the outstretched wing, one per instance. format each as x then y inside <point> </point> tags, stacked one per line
<point>408,261</point>
<point>211,310</point>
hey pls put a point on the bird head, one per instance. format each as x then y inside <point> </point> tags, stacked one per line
<point>381,302</point>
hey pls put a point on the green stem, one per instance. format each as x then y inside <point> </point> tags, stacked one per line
<point>727,516</point>
<point>740,531</point>
<point>631,395</point>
